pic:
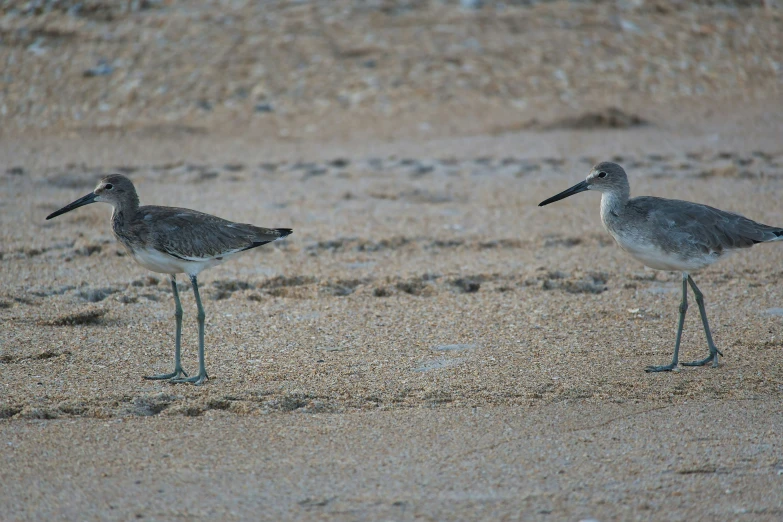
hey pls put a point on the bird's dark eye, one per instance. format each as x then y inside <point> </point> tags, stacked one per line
<point>109,186</point>
<point>602,174</point>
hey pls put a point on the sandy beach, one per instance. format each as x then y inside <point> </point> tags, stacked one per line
<point>428,344</point>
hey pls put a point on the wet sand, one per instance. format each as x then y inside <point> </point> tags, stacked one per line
<point>428,344</point>
<point>696,460</point>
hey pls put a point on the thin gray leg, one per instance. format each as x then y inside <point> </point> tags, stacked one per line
<point>178,371</point>
<point>714,352</point>
<point>683,309</point>
<point>202,376</point>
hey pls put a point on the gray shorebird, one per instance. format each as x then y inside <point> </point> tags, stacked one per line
<point>171,241</point>
<point>668,234</point>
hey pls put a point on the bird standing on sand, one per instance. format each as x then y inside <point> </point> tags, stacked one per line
<point>170,241</point>
<point>668,234</point>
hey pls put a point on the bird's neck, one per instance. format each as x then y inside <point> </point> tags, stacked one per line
<point>118,221</point>
<point>131,203</point>
<point>613,205</point>
<point>122,213</point>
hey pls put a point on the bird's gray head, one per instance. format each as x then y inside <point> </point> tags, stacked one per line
<point>114,189</point>
<point>606,177</point>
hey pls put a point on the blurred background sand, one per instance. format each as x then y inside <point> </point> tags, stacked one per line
<point>428,344</point>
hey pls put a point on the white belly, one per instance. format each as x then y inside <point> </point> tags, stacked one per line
<point>659,259</point>
<point>157,261</point>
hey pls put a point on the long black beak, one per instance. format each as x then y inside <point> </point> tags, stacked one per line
<point>576,189</point>
<point>86,200</point>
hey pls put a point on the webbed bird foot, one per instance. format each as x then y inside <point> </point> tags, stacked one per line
<point>178,372</point>
<point>666,368</point>
<point>196,380</point>
<point>712,357</point>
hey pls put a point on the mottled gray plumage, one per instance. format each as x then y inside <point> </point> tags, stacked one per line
<point>174,240</point>
<point>669,234</point>
<point>182,233</point>
<point>185,233</point>
<point>706,229</point>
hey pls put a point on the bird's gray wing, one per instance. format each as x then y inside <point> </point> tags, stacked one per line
<point>707,229</point>
<point>192,235</point>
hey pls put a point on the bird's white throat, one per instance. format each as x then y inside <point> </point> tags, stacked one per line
<point>611,205</point>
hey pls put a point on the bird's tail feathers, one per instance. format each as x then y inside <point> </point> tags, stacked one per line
<point>777,236</point>
<point>284,232</point>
